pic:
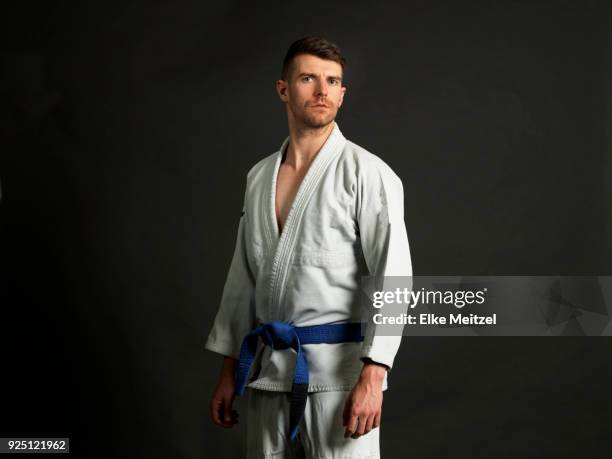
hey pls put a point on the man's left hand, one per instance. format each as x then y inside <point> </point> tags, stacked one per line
<point>363,406</point>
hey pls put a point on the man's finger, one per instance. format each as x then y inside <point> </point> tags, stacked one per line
<point>215,408</point>
<point>369,424</point>
<point>227,410</point>
<point>351,426</point>
<point>233,419</point>
<point>376,420</point>
<point>360,427</point>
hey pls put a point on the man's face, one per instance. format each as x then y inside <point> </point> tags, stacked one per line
<point>313,91</point>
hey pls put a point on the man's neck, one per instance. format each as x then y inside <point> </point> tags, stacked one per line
<point>304,144</point>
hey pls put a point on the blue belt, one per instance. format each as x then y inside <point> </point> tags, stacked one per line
<point>281,335</point>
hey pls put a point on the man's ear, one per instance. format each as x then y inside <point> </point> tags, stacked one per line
<point>342,96</point>
<point>281,89</point>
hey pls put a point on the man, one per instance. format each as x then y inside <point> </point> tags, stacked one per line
<point>318,214</point>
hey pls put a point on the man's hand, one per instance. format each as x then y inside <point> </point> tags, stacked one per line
<point>363,406</point>
<point>221,410</point>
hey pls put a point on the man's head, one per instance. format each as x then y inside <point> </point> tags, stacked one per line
<point>311,82</point>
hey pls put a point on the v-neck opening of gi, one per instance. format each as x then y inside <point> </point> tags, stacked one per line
<point>277,232</point>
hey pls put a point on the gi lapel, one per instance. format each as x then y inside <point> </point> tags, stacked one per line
<point>286,243</point>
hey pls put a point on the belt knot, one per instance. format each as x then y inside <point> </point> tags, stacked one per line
<point>279,335</point>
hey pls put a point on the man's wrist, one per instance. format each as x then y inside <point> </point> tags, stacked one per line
<point>373,371</point>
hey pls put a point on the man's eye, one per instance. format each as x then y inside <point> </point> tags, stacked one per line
<point>333,81</point>
<point>306,78</point>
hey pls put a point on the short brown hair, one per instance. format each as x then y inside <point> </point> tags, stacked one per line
<point>316,46</point>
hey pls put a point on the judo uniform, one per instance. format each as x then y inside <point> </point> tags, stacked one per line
<point>346,221</point>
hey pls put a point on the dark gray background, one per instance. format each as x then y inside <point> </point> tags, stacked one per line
<point>128,129</point>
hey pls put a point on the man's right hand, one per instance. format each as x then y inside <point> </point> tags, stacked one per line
<point>221,410</point>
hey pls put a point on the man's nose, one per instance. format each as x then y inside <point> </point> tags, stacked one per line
<point>322,88</point>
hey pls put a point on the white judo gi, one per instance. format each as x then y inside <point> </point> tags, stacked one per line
<point>346,221</point>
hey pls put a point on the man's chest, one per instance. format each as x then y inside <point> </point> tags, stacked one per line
<point>287,186</point>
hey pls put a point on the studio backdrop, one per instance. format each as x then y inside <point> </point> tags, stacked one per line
<point>127,133</point>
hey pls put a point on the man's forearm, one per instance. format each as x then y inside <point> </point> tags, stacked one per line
<point>229,366</point>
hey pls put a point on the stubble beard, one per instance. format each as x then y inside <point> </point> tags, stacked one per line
<point>311,121</point>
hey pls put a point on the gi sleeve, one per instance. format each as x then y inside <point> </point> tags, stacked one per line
<point>236,314</point>
<point>384,241</point>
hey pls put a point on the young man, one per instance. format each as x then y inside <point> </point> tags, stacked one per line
<point>318,214</point>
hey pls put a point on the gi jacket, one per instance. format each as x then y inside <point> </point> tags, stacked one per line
<point>346,221</point>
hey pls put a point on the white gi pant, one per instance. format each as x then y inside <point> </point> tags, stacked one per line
<point>321,434</point>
